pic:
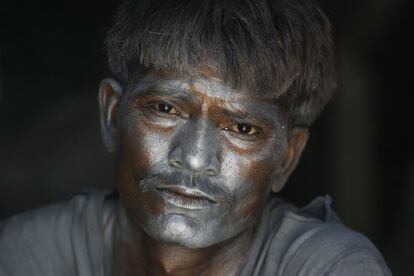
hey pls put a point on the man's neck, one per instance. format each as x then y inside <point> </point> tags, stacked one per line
<point>140,254</point>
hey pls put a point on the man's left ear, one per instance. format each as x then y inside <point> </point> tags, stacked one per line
<point>110,92</point>
<point>297,139</point>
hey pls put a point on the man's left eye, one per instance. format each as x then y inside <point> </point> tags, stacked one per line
<point>165,108</point>
<point>243,129</point>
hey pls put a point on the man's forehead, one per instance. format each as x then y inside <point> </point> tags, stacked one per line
<point>205,84</point>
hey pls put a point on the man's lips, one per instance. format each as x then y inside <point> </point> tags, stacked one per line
<point>184,197</point>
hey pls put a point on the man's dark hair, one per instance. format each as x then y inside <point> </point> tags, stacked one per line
<point>280,49</point>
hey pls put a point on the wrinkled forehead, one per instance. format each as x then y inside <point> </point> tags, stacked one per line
<point>204,82</point>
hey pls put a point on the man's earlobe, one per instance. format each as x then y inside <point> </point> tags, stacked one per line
<point>297,139</point>
<point>110,92</point>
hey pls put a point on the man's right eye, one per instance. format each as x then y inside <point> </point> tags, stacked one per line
<point>165,108</point>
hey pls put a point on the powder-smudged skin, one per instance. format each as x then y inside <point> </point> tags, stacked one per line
<point>186,168</point>
<point>197,160</point>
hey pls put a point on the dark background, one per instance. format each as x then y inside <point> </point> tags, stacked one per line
<point>360,150</point>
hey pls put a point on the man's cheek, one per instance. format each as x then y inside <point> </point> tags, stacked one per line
<point>141,205</point>
<point>155,147</point>
<point>139,147</point>
<point>257,186</point>
<point>133,162</point>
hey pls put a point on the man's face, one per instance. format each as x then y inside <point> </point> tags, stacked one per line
<point>197,159</point>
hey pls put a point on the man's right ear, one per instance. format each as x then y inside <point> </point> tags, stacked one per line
<point>110,92</point>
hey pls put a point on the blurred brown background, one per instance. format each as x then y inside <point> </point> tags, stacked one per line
<point>360,151</point>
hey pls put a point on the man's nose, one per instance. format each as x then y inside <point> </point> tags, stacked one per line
<point>196,148</point>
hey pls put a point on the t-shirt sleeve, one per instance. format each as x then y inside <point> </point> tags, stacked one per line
<point>30,243</point>
<point>60,239</point>
<point>333,249</point>
<point>358,264</point>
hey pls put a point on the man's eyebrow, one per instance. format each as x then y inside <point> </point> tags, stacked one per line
<point>160,87</point>
<point>263,112</point>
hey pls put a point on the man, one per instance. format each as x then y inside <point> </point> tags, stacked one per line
<point>208,114</point>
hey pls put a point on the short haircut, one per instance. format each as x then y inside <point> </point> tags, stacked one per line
<point>281,49</point>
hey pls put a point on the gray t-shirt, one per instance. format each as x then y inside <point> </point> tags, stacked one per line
<point>75,238</point>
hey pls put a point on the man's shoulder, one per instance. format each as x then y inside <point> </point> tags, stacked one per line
<point>56,216</point>
<point>313,241</point>
<point>324,248</point>
<point>39,240</point>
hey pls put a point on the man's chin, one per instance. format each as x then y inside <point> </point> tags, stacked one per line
<point>179,229</point>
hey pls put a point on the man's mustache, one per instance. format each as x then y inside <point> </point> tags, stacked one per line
<point>215,189</point>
